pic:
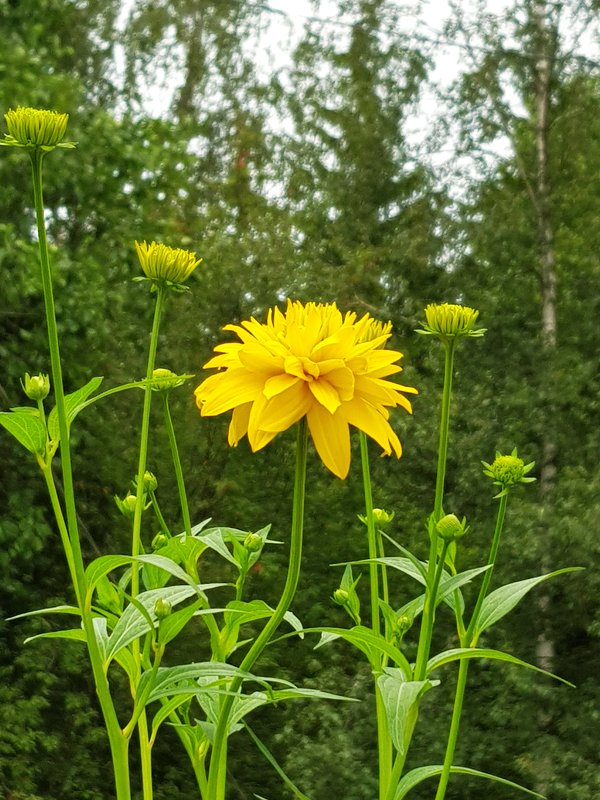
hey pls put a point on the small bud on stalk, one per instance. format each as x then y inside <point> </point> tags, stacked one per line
<point>253,543</point>
<point>162,608</point>
<point>36,387</point>
<point>450,528</point>
<point>127,505</point>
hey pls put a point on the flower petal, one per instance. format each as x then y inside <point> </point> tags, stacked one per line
<point>331,438</point>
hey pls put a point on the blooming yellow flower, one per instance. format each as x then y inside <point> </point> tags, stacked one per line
<point>448,320</point>
<point>33,127</point>
<point>161,263</point>
<point>309,361</point>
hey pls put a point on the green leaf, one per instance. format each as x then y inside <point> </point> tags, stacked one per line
<point>51,610</point>
<point>172,625</point>
<point>458,653</point>
<point>165,711</point>
<point>132,623</point>
<point>367,642</point>
<point>167,678</point>
<point>73,405</point>
<point>401,702</point>
<point>72,633</point>
<point>420,774</point>
<point>27,429</point>
<point>499,602</point>
<point>271,759</point>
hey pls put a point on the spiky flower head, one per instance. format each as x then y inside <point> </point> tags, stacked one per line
<point>36,387</point>
<point>307,362</point>
<point>450,321</point>
<point>370,329</point>
<point>507,471</point>
<point>166,265</point>
<point>36,128</point>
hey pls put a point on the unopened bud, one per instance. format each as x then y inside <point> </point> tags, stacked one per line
<point>405,622</point>
<point>127,505</point>
<point>150,482</point>
<point>253,542</point>
<point>36,387</point>
<point>162,608</point>
<point>450,528</point>
<point>382,518</point>
<point>341,597</point>
<point>160,540</point>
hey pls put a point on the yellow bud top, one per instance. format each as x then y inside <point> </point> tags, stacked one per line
<point>370,329</point>
<point>163,380</point>
<point>161,263</point>
<point>36,387</point>
<point>37,128</point>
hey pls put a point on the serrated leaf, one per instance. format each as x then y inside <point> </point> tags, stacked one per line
<point>420,774</point>
<point>73,401</point>
<point>27,429</point>
<point>401,702</point>
<point>459,653</point>
<point>499,602</point>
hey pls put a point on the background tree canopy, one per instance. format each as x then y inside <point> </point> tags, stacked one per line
<point>304,181</point>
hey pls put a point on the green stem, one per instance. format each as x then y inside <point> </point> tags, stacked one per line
<point>469,639</point>
<point>463,671</point>
<point>161,520</point>
<point>62,527</point>
<point>217,772</point>
<point>185,510</point>
<point>487,578</point>
<point>118,743</point>
<point>429,607</point>
<point>144,435</point>
<point>429,619</point>
<point>384,745</point>
<point>145,757</point>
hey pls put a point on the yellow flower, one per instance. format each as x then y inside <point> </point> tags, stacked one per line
<point>448,320</point>
<point>161,263</point>
<point>311,361</point>
<point>33,127</point>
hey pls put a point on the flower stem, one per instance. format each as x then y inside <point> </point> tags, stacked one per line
<point>429,607</point>
<point>185,510</point>
<point>429,619</point>
<point>217,773</point>
<point>468,640</point>
<point>118,743</point>
<point>384,745</point>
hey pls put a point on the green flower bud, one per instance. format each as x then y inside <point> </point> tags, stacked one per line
<point>341,597</point>
<point>163,380</point>
<point>160,540</point>
<point>161,263</point>
<point>127,505</point>
<point>35,128</point>
<point>150,482</point>
<point>162,608</point>
<point>508,470</point>
<point>36,387</point>
<point>253,543</point>
<point>382,518</point>
<point>449,321</point>
<point>404,623</point>
<point>450,528</point>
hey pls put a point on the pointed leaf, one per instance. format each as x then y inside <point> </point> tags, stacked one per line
<point>367,642</point>
<point>27,429</point>
<point>499,602</point>
<point>420,774</point>
<point>401,702</point>
<point>483,652</point>
<point>73,402</point>
<point>271,759</point>
<point>51,610</point>
<point>73,633</point>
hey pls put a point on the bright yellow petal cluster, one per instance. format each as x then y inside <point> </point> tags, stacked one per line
<point>309,361</point>
<point>33,127</point>
<point>162,263</point>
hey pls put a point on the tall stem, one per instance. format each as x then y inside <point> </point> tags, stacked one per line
<point>185,511</point>
<point>217,773</point>
<point>468,640</point>
<point>384,745</point>
<point>118,743</point>
<point>429,606</point>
